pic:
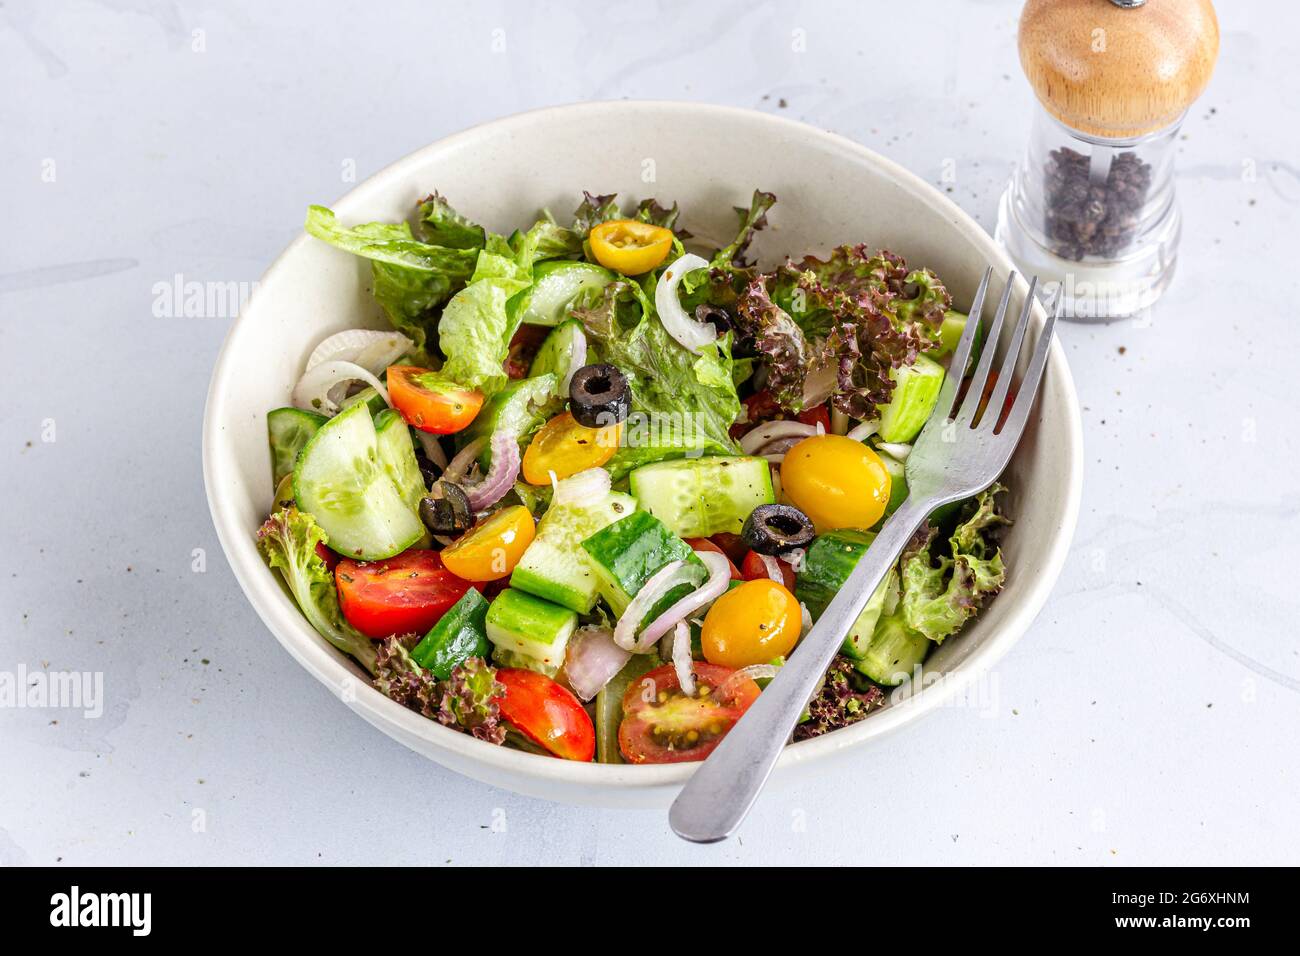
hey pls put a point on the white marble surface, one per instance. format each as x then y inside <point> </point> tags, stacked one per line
<point>1150,715</point>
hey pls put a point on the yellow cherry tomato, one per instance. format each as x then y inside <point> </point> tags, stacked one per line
<point>835,481</point>
<point>751,624</point>
<point>565,447</point>
<point>491,549</point>
<point>630,246</point>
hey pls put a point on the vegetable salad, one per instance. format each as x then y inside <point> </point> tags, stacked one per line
<point>590,488</point>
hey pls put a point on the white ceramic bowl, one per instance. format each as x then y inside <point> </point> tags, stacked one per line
<point>708,159</point>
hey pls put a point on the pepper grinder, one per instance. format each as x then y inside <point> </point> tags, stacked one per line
<point>1091,206</point>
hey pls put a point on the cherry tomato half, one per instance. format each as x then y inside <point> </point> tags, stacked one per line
<point>546,714</point>
<point>836,481</point>
<point>751,624</point>
<point>404,594</point>
<point>429,403</point>
<point>753,569</point>
<point>565,447</point>
<point>630,246</point>
<point>662,725</point>
<point>704,544</point>
<point>732,544</point>
<point>491,549</point>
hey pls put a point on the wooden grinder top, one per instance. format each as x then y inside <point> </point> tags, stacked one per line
<point>1109,69</point>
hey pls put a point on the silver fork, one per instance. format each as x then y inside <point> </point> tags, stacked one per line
<point>959,453</point>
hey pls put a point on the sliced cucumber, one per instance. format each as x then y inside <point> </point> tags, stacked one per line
<point>533,632</point>
<point>460,634</point>
<point>556,286</point>
<point>556,353</point>
<point>341,481</point>
<point>916,390</point>
<point>828,563</point>
<point>397,456</point>
<point>699,497</point>
<point>893,652</point>
<point>954,324</point>
<point>897,481</point>
<point>373,400</point>
<point>555,566</point>
<point>289,430</point>
<point>627,553</point>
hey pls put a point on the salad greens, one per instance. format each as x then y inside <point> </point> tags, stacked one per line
<point>619,476</point>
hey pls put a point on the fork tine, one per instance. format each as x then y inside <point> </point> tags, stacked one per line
<point>971,403</point>
<point>1019,414</point>
<point>951,382</point>
<point>993,410</point>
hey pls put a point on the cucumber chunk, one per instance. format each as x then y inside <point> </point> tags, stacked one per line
<point>954,324</point>
<point>892,653</point>
<point>609,705</point>
<point>460,634</point>
<point>518,409</point>
<point>557,285</point>
<point>916,390</point>
<point>397,456</point>
<point>897,482</point>
<point>627,553</point>
<point>555,566</point>
<point>342,482</point>
<point>556,353</point>
<point>288,430</point>
<point>828,563</point>
<point>699,497</point>
<point>533,633</point>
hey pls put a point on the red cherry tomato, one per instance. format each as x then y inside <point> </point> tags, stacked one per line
<point>662,725</point>
<point>755,570</point>
<point>429,403</point>
<point>547,714</point>
<point>331,558</point>
<point>405,594</point>
<point>733,545</point>
<point>704,544</point>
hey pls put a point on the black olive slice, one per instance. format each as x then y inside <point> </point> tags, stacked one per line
<point>776,529</point>
<point>446,509</point>
<point>599,396</point>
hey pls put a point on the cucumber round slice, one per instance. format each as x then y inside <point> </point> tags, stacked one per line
<point>397,456</point>
<point>916,391</point>
<point>289,430</point>
<point>698,497</point>
<point>341,480</point>
<point>557,285</point>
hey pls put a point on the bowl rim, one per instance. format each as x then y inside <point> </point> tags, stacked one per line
<point>330,667</point>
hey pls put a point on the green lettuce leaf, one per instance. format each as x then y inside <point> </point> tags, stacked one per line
<point>477,324</point>
<point>683,403</point>
<point>287,540</point>
<point>411,279</point>
<point>438,224</point>
<point>941,592</point>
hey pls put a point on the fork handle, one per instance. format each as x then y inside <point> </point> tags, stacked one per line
<point>724,787</point>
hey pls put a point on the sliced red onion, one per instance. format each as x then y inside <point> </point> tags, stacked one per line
<point>577,359</point>
<point>716,585</point>
<point>805,620</point>
<point>772,568</point>
<point>682,662</point>
<point>581,489</point>
<point>894,450</point>
<point>691,334</point>
<point>371,349</point>
<point>432,448</point>
<point>459,466</point>
<point>592,659</point>
<point>821,429</point>
<point>759,437</point>
<point>864,431</point>
<point>500,477</point>
<point>314,389</point>
<point>736,678</point>
<point>661,582</point>
<point>820,384</point>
